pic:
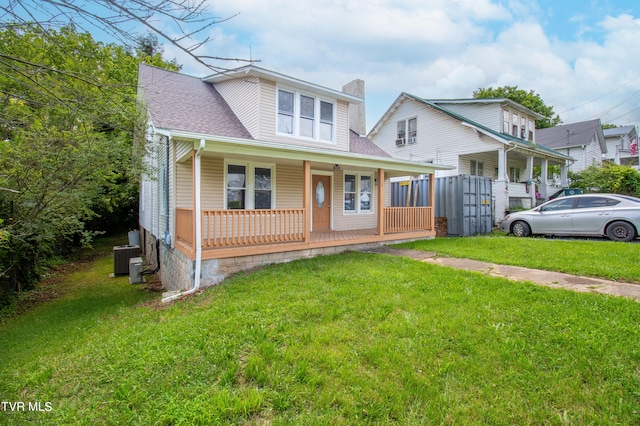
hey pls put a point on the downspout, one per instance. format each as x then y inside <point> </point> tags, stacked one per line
<point>198,237</point>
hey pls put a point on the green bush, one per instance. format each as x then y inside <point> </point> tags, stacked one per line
<point>608,178</point>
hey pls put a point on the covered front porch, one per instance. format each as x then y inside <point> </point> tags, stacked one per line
<point>522,175</point>
<point>228,233</point>
<point>256,201</point>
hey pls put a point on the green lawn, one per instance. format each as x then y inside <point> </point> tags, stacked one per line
<point>601,258</point>
<point>346,339</point>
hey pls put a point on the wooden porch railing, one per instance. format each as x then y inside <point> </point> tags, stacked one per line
<point>184,225</point>
<point>403,219</point>
<point>226,228</point>
<point>240,227</point>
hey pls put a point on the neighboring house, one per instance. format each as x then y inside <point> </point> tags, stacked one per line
<point>494,138</point>
<point>622,146</point>
<point>252,166</point>
<point>582,141</point>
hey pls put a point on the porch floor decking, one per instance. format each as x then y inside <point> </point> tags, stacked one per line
<point>317,240</point>
<point>332,236</point>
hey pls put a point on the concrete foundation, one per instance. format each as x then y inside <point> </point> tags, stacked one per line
<point>177,271</point>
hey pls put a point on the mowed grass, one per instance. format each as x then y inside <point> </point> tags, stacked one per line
<point>599,258</point>
<point>347,339</point>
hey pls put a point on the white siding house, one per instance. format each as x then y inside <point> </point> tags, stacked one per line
<point>252,166</point>
<point>622,146</point>
<point>583,141</point>
<point>486,137</point>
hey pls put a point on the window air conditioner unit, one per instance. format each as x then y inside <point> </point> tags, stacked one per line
<point>401,142</point>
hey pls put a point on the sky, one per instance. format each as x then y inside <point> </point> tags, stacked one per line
<point>581,56</point>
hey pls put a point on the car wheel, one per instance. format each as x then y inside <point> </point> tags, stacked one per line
<point>520,229</point>
<point>621,231</point>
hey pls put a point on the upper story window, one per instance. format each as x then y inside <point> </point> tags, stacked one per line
<point>305,116</point>
<point>407,131</point>
<point>517,125</point>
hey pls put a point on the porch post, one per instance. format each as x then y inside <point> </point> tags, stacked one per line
<point>306,204</point>
<point>195,205</point>
<point>432,200</point>
<point>502,165</point>
<point>380,202</point>
<point>563,175</point>
<point>544,174</point>
<point>532,185</point>
<point>500,188</point>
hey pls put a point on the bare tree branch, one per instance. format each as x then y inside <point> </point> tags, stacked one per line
<point>120,19</point>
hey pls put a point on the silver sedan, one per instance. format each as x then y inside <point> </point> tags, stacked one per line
<point>614,216</point>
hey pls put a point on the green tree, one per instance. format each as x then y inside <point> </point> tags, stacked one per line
<point>529,99</point>
<point>607,178</point>
<point>66,131</point>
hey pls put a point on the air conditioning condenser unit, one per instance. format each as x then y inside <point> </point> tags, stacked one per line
<point>121,256</point>
<point>135,270</point>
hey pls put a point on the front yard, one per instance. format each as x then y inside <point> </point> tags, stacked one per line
<point>344,339</point>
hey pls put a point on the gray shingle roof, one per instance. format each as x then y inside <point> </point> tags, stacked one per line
<point>568,135</point>
<point>618,131</point>
<point>363,145</point>
<point>180,102</point>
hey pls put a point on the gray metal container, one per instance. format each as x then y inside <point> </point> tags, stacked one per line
<point>466,201</point>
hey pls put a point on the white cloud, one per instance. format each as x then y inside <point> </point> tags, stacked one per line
<point>441,48</point>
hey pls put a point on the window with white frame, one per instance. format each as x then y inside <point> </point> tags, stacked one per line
<point>530,130</point>
<point>476,168</point>
<point>305,116</point>
<point>506,121</point>
<point>514,125</point>
<point>407,131</point>
<point>358,192</point>
<point>249,186</point>
<point>285,112</point>
<point>523,127</point>
<point>514,174</point>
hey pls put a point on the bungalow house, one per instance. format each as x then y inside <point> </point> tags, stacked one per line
<point>494,138</point>
<point>252,166</point>
<point>583,141</point>
<point>622,146</point>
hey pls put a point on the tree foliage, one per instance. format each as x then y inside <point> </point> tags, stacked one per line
<point>529,99</point>
<point>607,178</point>
<point>68,115</point>
<point>66,131</point>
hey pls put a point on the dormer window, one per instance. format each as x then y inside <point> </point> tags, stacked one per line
<point>304,116</point>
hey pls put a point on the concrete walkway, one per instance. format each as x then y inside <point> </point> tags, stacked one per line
<point>536,276</point>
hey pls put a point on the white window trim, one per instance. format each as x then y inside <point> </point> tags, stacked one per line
<point>296,115</point>
<point>407,138</point>
<point>250,170</point>
<point>358,192</point>
<point>476,168</point>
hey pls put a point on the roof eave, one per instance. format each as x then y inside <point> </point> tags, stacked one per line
<point>252,70</point>
<point>293,152</point>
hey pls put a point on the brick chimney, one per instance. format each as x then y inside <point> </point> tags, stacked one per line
<point>357,118</point>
